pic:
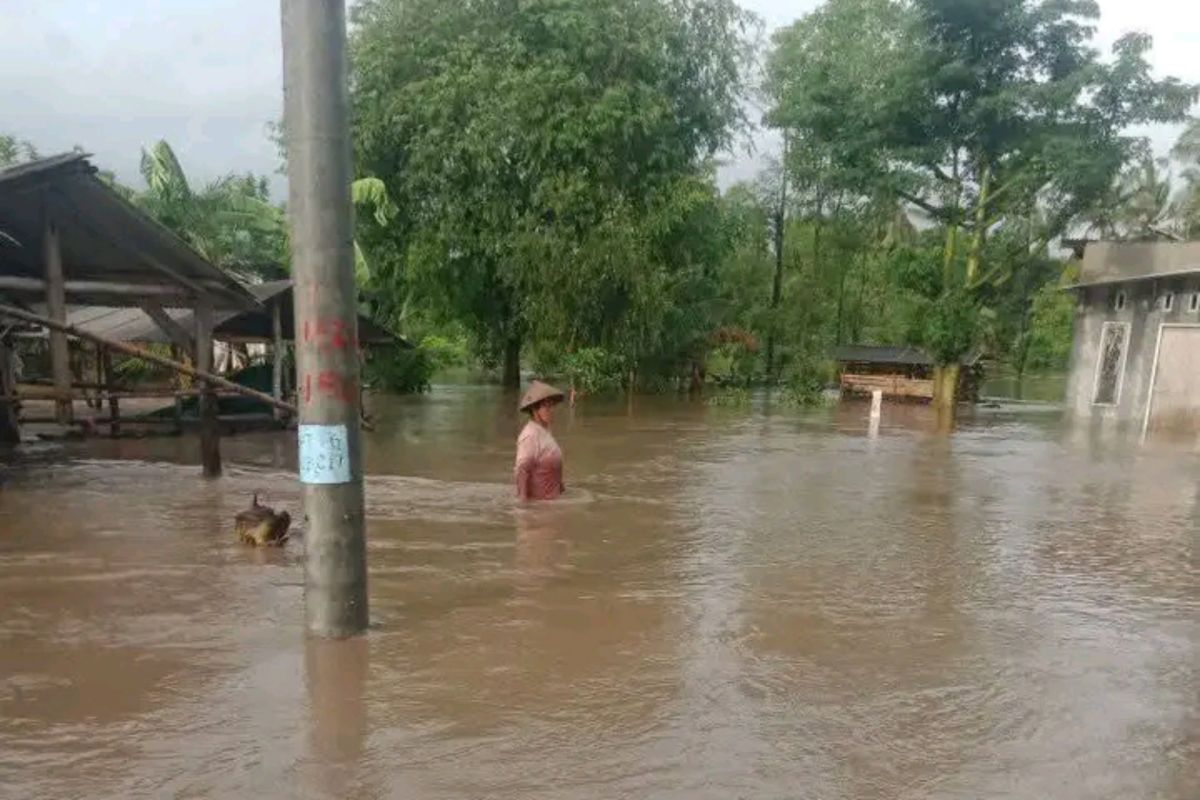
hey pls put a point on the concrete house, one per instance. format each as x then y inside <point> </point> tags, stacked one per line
<point>1136,356</point>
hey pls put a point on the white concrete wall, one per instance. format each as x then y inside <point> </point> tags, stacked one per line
<point>1144,317</point>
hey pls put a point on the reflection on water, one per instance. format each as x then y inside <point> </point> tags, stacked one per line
<point>730,604</point>
<point>1032,387</point>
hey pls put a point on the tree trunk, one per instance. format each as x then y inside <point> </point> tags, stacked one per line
<point>979,237</point>
<point>777,284</point>
<point>857,320</point>
<point>945,395</point>
<point>841,304</point>
<point>776,294</point>
<point>512,363</point>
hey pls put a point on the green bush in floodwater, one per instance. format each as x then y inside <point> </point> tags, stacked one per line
<point>594,369</point>
<point>804,384</point>
<point>400,370</point>
<point>446,352</point>
<point>730,397</point>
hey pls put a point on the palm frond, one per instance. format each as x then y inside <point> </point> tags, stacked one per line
<point>163,172</point>
<point>373,193</point>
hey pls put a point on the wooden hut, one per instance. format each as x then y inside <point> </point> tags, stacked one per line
<point>68,237</point>
<point>900,372</point>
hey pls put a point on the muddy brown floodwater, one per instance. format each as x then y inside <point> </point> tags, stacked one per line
<point>730,604</point>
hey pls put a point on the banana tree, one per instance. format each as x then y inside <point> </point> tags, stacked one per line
<point>371,195</point>
<point>230,221</point>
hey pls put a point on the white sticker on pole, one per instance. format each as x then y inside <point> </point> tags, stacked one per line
<point>324,454</point>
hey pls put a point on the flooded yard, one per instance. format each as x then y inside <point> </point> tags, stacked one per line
<point>729,604</point>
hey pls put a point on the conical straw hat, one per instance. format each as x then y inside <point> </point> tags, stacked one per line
<point>537,393</point>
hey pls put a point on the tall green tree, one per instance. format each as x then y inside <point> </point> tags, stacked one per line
<point>972,112</point>
<point>548,158</point>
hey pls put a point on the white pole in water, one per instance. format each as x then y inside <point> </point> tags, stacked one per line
<point>317,130</point>
<point>876,410</point>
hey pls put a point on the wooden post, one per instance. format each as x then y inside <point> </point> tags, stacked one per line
<point>876,411</point>
<point>180,384</point>
<point>277,353</point>
<point>97,402</point>
<point>110,386</point>
<point>10,429</point>
<point>320,169</point>
<point>210,434</point>
<point>56,308</point>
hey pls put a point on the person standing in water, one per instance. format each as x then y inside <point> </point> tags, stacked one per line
<point>539,466</point>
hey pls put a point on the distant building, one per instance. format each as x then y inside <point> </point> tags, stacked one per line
<point>901,373</point>
<point>1136,356</point>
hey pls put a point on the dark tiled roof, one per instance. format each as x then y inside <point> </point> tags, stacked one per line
<point>900,355</point>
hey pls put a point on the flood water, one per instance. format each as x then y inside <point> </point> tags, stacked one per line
<point>731,604</point>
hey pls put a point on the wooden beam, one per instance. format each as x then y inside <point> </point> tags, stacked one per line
<point>176,332</point>
<point>13,312</point>
<point>277,354</point>
<point>210,433</point>
<point>56,305</point>
<point>38,286</point>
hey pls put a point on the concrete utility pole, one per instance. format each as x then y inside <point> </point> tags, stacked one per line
<point>317,131</point>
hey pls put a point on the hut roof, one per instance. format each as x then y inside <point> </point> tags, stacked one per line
<point>898,355</point>
<point>1106,263</point>
<point>134,325</point>
<point>113,253</point>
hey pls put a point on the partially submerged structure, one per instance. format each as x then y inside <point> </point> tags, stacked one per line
<point>1136,357</point>
<point>269,328</point>
<point>901,373</point>
<point>68,237</point>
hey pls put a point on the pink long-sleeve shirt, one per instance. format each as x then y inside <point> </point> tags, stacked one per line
<point>539,466</point>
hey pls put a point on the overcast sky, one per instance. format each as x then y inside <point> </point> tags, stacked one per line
<point>114,75</point>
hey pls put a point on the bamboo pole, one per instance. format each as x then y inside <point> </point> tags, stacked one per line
<point>132,350</point>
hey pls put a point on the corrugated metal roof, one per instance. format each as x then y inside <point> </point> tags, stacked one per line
<point>103,237</point>
<point>900,355</point>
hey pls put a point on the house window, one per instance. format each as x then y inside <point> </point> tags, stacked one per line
<point>1118,302</point>
<point>1166,301</point>
<point>1194,302</point>
<point>1111,363</point>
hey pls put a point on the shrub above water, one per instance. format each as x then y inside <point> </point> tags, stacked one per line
<point>400,370</point>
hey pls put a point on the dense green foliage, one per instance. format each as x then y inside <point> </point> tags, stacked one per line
<point>549,166</point>
<point>549,159</point>
<point>995,122</point>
